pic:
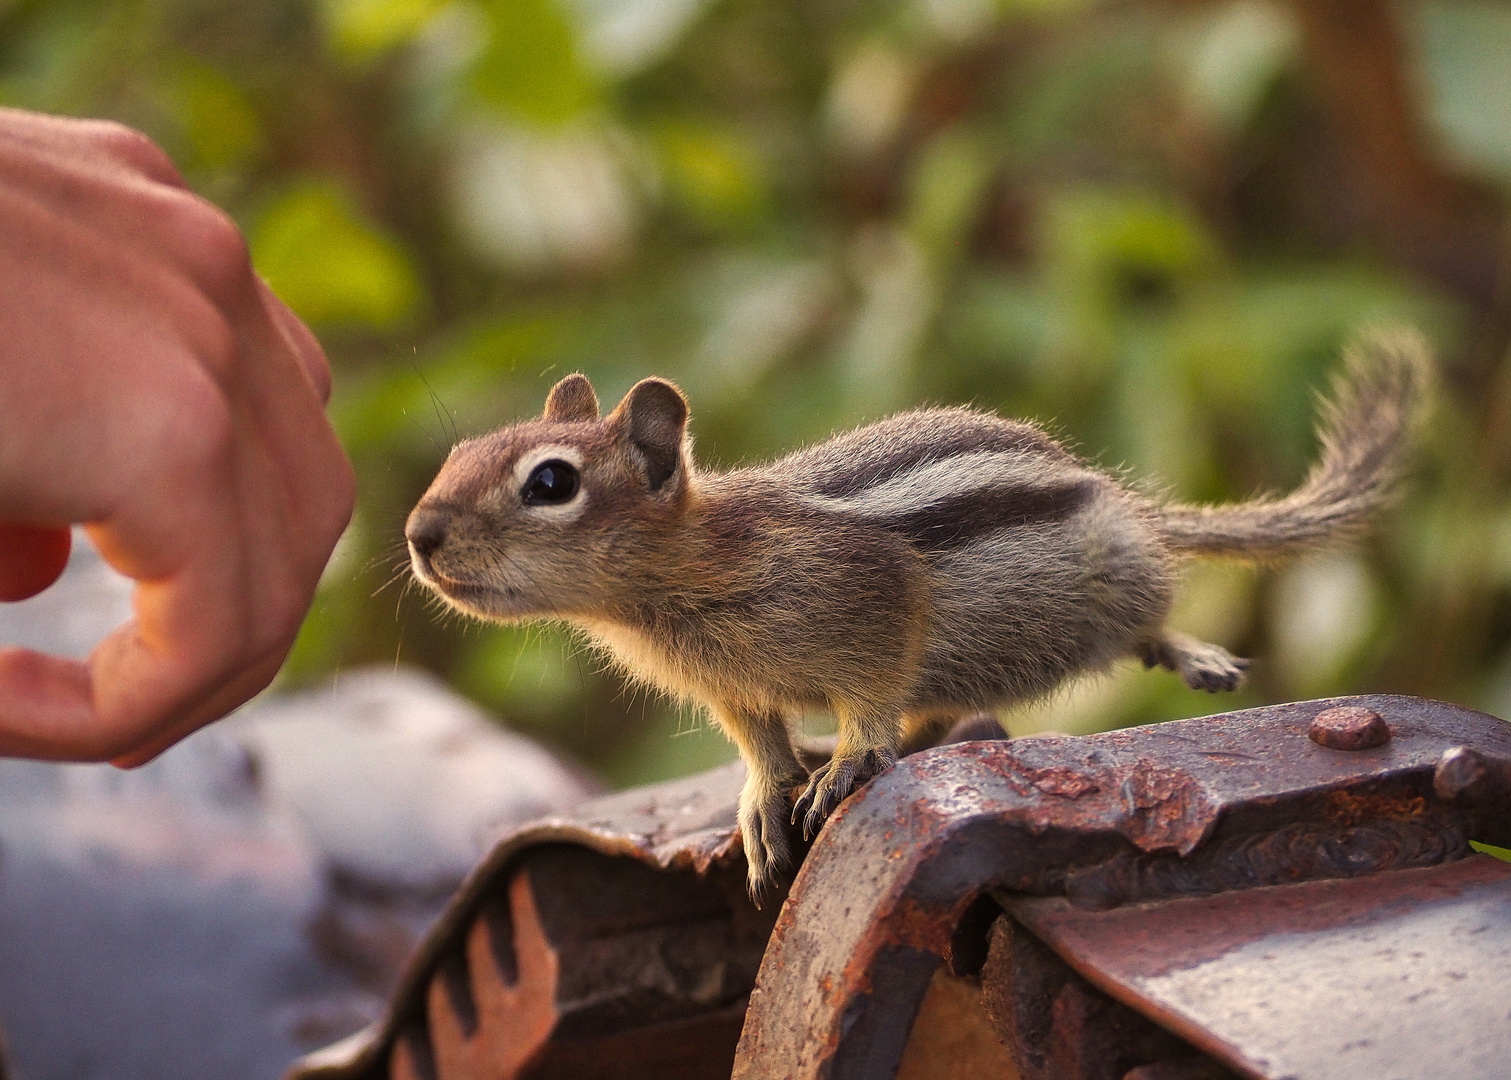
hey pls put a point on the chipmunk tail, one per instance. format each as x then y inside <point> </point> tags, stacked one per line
<point>1367,427</point>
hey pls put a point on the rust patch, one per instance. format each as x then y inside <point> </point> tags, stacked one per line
<point>1059,780</point>
<point>1165,808</point>
<point>1230,759</point>
<point>1155,807</point>
<point>1346,808</point>
<point>1300,851</point>
<point>879,891</point>
<point>917,925</point>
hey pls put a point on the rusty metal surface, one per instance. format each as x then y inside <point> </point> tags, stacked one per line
<point>1396,976</point>
<point>953,1038</point>
<point>1056,1025</point>
<point>1239,800</point>
<point>469,1004</point>
<point>901,877</point>
<point>591,966</point>
<point>614,941</point>
<point>1190,1068</point>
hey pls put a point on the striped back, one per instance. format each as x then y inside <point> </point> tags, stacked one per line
<point>942,477</point>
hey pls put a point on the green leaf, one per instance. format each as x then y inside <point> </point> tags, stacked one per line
<point>1103,234</point>
<point>361,30</point>
<point>1491,849</point>
<point>531,70</point>
<point>1235,58</point>
<point>217,118</point>
<point>331,265</point>
<point>713,174</point>
<point>1041,7</point>
<point>947,186</point>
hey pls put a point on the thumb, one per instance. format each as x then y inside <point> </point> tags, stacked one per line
<point>31,558</point>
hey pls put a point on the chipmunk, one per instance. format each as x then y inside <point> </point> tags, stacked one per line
<point>903,575</point>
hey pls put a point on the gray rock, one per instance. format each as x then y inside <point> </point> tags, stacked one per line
<point>399,782</point>
<point>152,924</point>
<point>251,893</point>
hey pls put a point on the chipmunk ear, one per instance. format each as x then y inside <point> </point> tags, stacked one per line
<point>572,399</point>
<point>655,415</point>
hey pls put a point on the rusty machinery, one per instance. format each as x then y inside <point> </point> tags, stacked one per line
<point>1282,892</point>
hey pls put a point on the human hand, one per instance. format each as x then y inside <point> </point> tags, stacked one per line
<point>153,389</point>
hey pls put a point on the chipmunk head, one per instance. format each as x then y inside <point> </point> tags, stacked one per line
<point>547,516</point>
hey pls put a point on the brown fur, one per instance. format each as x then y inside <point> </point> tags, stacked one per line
<point>902,575</point>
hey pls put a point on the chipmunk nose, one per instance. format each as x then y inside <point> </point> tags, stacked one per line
<point>425,531</point>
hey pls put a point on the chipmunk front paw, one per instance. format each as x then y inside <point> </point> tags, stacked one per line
<point>834,780</point>
<point>763,828</point>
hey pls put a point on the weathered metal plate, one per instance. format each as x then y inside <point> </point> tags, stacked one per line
<point>1233,801</point>
<point>1396,976</point>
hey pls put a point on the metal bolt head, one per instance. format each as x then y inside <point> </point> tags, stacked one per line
<point>1349,727</point>
<point>1461,773</point>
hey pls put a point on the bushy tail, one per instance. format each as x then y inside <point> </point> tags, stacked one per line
<point>1366,430</point>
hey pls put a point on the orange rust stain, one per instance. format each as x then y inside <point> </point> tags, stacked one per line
<point>1053,780</point>
<point>924,927</point>
<point>1062,781</point>
<point>1350,808</point>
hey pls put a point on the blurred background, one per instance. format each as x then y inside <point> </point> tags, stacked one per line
<point>1149,224</point>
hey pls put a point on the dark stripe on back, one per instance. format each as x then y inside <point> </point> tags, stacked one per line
<point>841,476</point>
<point>960,518</point>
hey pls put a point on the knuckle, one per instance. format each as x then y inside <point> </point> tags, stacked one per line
<point>130,147</point>
<point>203,433</point>
<point>209,339</point>
<point>213,248</point>
<point>224,247</point>
<point>172,435</point>
<point>216,344</point>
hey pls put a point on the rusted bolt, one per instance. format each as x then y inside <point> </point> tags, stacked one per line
<point>1461,773</point>
<point>1349,727</point>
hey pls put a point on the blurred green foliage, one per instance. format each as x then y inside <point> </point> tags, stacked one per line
<point>813,212</point>
<point>315,250</point>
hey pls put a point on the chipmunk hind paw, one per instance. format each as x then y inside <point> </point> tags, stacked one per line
<point>1201,665</point>
<point>1219,671</point>
<point>834,780</point>
<point>768,853</point>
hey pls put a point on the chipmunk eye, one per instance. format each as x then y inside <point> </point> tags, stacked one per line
<point>551,483</point>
